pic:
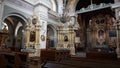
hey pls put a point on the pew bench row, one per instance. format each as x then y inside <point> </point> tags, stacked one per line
<point>13,59</point>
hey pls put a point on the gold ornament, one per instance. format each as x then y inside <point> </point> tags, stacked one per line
<point>42,37</point>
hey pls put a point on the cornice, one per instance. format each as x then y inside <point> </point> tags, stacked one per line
<point>43,3</point>
<point>115,5</point>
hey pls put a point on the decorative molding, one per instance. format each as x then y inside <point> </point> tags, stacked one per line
<point>53,13</point>
<point>15,6</point>
<point>21,4</point>
<point>45,3</point>
<point>115,5</point>
<point>93,7</point>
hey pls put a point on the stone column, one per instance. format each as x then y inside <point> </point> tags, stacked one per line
<point>118,31</point>
<point>118,40</point>
<point>37,34</point>
<point>37,42</point>
<point>72,44</point>
<point>27,36</point>
<point>59,40</point>
<point>41,10</point>
<point>1,14</point>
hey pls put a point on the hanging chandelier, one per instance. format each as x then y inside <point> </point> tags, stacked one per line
<point>64,17</point>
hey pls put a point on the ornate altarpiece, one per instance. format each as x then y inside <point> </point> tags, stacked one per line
<point>66,37</point>
<point>100,28</point>
<point>32,37</point>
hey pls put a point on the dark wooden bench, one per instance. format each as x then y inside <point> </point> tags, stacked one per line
<point>102,55</point>
<point>3,61</point>
<point>52,64</point>
<point>82,63</point>
<point>13,59</point>
<point>85,62</point>
<point>50,54</point>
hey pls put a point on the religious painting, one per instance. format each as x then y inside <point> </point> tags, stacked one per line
<point>32,36</point>
<point>65,38</point>
<point>42,37</point>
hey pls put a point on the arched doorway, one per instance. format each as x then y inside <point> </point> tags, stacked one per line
<point>16,25</point>
<point>51,37</point>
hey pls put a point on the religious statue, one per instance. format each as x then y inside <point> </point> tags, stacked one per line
<point>101,38</point>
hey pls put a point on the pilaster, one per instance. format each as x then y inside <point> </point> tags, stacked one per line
<point>1,13</point>
<point>117,13</point>
<point>42,12</point>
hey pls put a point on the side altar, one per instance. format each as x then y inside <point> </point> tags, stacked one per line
<point>67,35</point>
<point>32,37</point>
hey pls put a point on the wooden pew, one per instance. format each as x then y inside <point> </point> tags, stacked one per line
<point>102,55</point>
<point>53,54</point>
<point>93,63</point>
<point>50,64</point>
<point>82,63</point>
<point>3,61</point>
<point>13,59</point>
<point>21,59</point>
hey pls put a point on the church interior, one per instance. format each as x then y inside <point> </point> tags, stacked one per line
<point>59,33</point>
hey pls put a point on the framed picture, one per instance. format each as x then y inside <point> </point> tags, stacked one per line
<point>32,36</point>
<point>65,38</point>
<point>42,37</point>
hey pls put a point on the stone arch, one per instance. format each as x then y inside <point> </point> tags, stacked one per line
<point>16,24</point>
<point>54,5</point>
<point>16,14</point>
